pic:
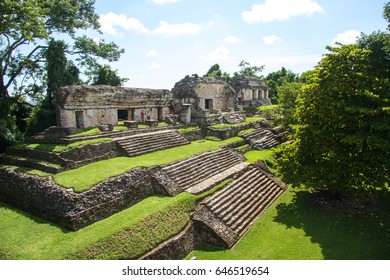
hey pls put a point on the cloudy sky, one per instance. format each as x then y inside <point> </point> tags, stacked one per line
<point>166,40</point>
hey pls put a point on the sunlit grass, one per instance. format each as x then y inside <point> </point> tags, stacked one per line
<point>85,177</point>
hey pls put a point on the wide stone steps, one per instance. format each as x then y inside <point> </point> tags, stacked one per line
<point>222,205</point>
<point>150,142</point>
<point>261,138</point>
<point>190,172</point>
<point>240,203</point>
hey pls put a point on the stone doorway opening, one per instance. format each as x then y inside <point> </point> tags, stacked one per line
<point>79,119</point>
<point>208,104</point>
<point>123,115</point>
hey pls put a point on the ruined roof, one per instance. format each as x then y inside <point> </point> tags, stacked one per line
<point>188,84</point>
<point>240,82</point>
<point>105,94</point>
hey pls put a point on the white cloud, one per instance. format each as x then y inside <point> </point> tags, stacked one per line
<point>271,39</point>
<point>110,21</point>
<point>347,37</point>
<point>151,53</point>
<point>273,10</point>
<point>162,2</point>
<point>231,39</point>
<point>154,66</point>
<point>219,54</point>
<point>177,29</point>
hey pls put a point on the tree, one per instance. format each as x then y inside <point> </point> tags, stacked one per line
<point>104,75</point>
<point>386,14</point>
<point>343,139</point>
<point>248,70</point>
<point>214,71</point>
<point>26,29</point>
<point>287,96</point>
<point>278,78</point>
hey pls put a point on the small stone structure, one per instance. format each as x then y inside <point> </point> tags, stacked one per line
<point>196,95</point>
<point>251,91</point>
<point>88,106</point>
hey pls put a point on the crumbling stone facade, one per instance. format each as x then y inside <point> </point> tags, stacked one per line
<point>251,91</point>
<point>193,98</point>
<point>88,106</point>
<point>194,95</point>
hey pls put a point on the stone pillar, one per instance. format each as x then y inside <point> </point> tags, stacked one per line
<point>266,93</point>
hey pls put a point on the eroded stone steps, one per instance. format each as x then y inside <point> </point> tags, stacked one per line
<point>150,142</point>
<point>198,167</point>
<point>261,138</point>
<point>245,222</point>
<point>240,203</point>
<point>179,167</point>
<point>218,201</point>
<point>201,167</point>
<point>223,206</point>
<point>246,204</point>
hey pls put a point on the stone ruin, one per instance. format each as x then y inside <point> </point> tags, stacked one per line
<point>193,99</point>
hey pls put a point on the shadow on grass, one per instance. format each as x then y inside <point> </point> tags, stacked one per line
<point>341,233</point>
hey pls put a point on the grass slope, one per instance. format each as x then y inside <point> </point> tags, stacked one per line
<point>127,234</point>
<point>85,177</point>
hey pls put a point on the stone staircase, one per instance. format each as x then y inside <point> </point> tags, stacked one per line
<point>232,211</point>
<point>150,142</point>
<point>261,138</point>
<point>34,159</point>
<point>201,172</point>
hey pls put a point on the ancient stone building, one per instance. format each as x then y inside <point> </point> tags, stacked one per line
<point>194,96</point>
<point>250,91</point>
<point>87,106</point>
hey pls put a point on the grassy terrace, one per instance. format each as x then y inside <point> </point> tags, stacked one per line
<point>85,177</point>
<point>58,148</point>
<point>125,235</point>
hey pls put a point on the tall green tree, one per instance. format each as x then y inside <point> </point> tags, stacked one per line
<point>278,78</point>
<point>248,69</point>
<point>287,97</point>
<point>104,75</point>
<point>26,28</point>
<point>343,139</point>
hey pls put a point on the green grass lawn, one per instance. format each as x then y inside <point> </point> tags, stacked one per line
<point>267,156</point>
<point>125,235</point>
<point>294,229</point>
<point>85,177</point>
<point>58,148</point>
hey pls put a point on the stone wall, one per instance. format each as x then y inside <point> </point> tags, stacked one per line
<point>176,248</point>
<point>43,198</point>
<point>76,157</point>
<point>88,106</point>
<point>228,132</point>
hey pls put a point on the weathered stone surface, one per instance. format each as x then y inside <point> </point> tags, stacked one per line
<point>176,248</point>
<point>88,106</point>
<point>42,197</point>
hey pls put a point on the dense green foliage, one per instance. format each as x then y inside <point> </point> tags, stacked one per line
<point>278,78</point>
<point>343,138</point>
<point>34,64</point>
<point>287,96</point>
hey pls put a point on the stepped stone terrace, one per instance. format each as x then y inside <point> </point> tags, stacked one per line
<point>221,219</point>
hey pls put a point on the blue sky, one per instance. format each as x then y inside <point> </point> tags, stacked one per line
<point>166,40</point>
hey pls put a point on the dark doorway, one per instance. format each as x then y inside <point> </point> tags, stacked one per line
<point>79,119</point>
<point>159,114</point>
<point>208,104</point>
<point>123,115</point>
